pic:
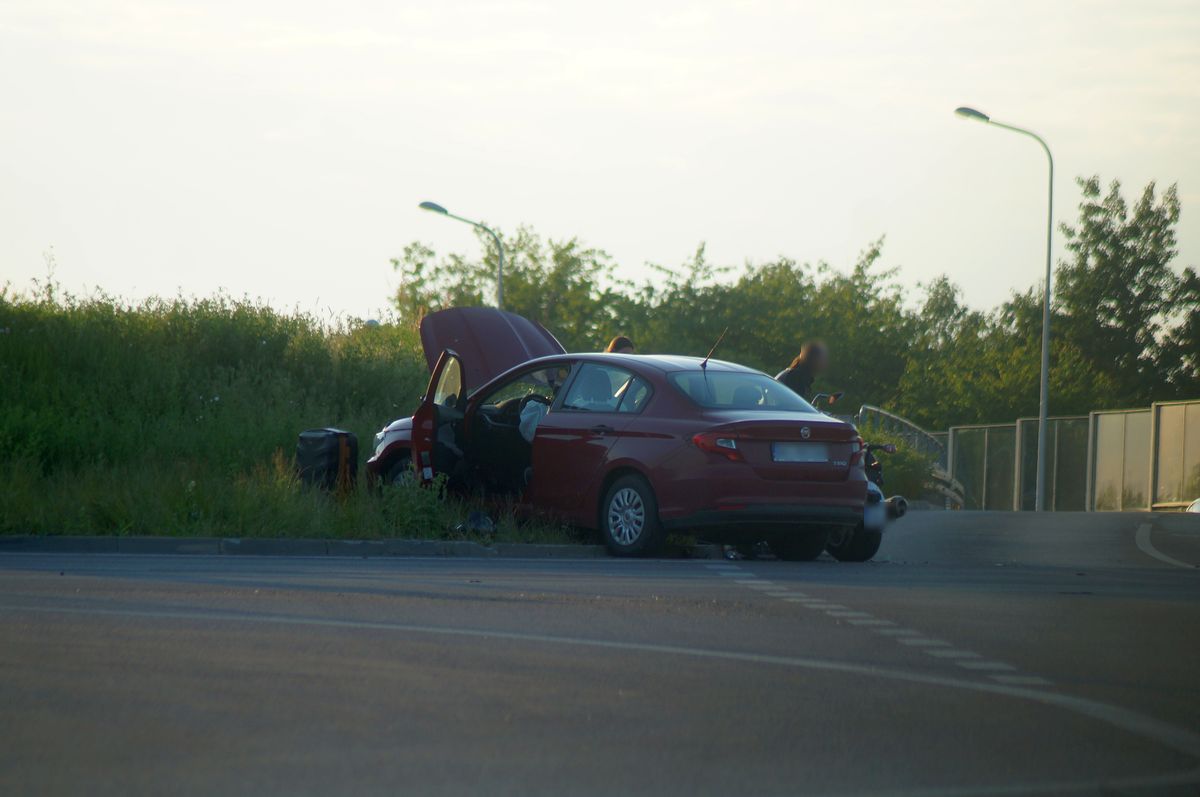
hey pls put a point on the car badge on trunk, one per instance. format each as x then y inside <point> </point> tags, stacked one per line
<point>805,432</point>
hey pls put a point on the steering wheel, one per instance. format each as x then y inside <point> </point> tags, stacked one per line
<point>533,397</point>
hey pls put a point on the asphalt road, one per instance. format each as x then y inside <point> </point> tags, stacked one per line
<point>981,654</point>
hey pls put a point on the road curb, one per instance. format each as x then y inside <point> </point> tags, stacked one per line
<point>262,546</point>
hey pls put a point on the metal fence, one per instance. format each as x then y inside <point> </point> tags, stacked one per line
<point>1175,459</point>
<point>1119,455</point>
<point>1066,455</point>
<point>983,460</point>
<point>1108,460</point>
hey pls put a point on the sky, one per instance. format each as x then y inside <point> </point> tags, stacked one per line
<point>278,150</point>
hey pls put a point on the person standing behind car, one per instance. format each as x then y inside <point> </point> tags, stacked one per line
<point>812,361</point>
<point>620,345</point>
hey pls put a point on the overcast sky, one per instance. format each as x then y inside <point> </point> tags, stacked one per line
<point>279,149</point>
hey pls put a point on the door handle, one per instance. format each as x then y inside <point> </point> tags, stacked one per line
<point>602,430</point>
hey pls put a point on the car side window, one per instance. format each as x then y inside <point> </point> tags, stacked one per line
<point>449,386</point>
<point>634,395</point>
<point>543,382</point>
<point>598,388</point>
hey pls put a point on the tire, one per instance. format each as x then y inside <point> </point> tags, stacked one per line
<point>800,546</point>
<point>401,472</point>
<point>857,545</point>
<point>629,518</point>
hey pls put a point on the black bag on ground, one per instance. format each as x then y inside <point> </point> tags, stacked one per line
<point>327,458</point>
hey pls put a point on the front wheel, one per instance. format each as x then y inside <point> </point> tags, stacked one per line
<point>629,518</point>
<point>854,545</point>
<point>401,473</point>
<point>800,546</point>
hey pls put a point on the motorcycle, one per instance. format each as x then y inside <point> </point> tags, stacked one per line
<point>862,542</point>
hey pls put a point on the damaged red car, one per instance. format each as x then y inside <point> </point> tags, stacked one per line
<point>633,446</point>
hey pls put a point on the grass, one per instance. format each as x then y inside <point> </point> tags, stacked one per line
<point>907,472</point>
<point>179,417</point>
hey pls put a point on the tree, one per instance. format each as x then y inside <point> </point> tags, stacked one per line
<point>1125,326</point>
<point>1114,294</point>
<point>564,285</point>
<point>1179,352</point>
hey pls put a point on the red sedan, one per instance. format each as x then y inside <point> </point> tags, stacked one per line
<point>631,445</point>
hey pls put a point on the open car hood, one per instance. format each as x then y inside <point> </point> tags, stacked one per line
<point>488,340</point>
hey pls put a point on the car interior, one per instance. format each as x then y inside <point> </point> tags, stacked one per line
<point>499,454</point>
<point>737,390</point>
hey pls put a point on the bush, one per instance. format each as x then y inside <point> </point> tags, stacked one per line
<point>908,471</point>
<point>180,417</point>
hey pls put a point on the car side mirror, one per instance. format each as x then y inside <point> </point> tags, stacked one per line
<point>835,396</point>
<point>889,448</point>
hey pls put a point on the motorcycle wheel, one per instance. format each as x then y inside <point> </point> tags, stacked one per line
<point>854,545</point>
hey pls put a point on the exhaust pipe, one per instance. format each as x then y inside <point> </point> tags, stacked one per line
<point>897,507</point>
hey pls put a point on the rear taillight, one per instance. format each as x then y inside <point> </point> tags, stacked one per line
<point>724,444</point>
<point>857,447</point>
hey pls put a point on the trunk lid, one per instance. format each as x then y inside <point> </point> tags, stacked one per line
<point>489,341</point>
<point>792,446</point>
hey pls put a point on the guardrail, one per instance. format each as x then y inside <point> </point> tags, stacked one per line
<point>942,481</point>
<point>914,435</point>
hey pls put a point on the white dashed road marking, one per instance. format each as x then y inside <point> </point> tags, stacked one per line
<point>952,653</point>
<point>924,642</point>
<point>1182,739</point>
<point>1020,680</point>
<point>997,671</point>
<point>995,666</point>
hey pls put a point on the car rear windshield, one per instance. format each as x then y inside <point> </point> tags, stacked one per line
<point>738,390</point>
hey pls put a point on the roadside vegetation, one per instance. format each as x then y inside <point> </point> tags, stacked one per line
<point>908,472</point>
<point>179,416</point>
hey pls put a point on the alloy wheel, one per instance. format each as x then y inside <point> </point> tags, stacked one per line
<point>626,516</point>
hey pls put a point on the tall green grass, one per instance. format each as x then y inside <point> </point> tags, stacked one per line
<point>180,417</point>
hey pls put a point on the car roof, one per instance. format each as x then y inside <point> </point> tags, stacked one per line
<point>660,362</point>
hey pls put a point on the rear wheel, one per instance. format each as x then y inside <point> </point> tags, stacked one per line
<point>854,545</point>
<point>629,518</point>
<point>800,546</point>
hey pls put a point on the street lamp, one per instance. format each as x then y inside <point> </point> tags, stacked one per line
<point>1044,401</point>
<point>436,208</point>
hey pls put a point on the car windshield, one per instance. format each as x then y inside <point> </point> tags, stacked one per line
<point>738,390</point>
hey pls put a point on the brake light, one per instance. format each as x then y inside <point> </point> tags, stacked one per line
<point>857,447</point>
<point>724,444</point>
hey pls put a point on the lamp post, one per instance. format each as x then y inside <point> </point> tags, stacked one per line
<point>436,208</point>
<point>1044,400</point>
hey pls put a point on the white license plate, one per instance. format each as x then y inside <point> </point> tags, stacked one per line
<point>800,452</point>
